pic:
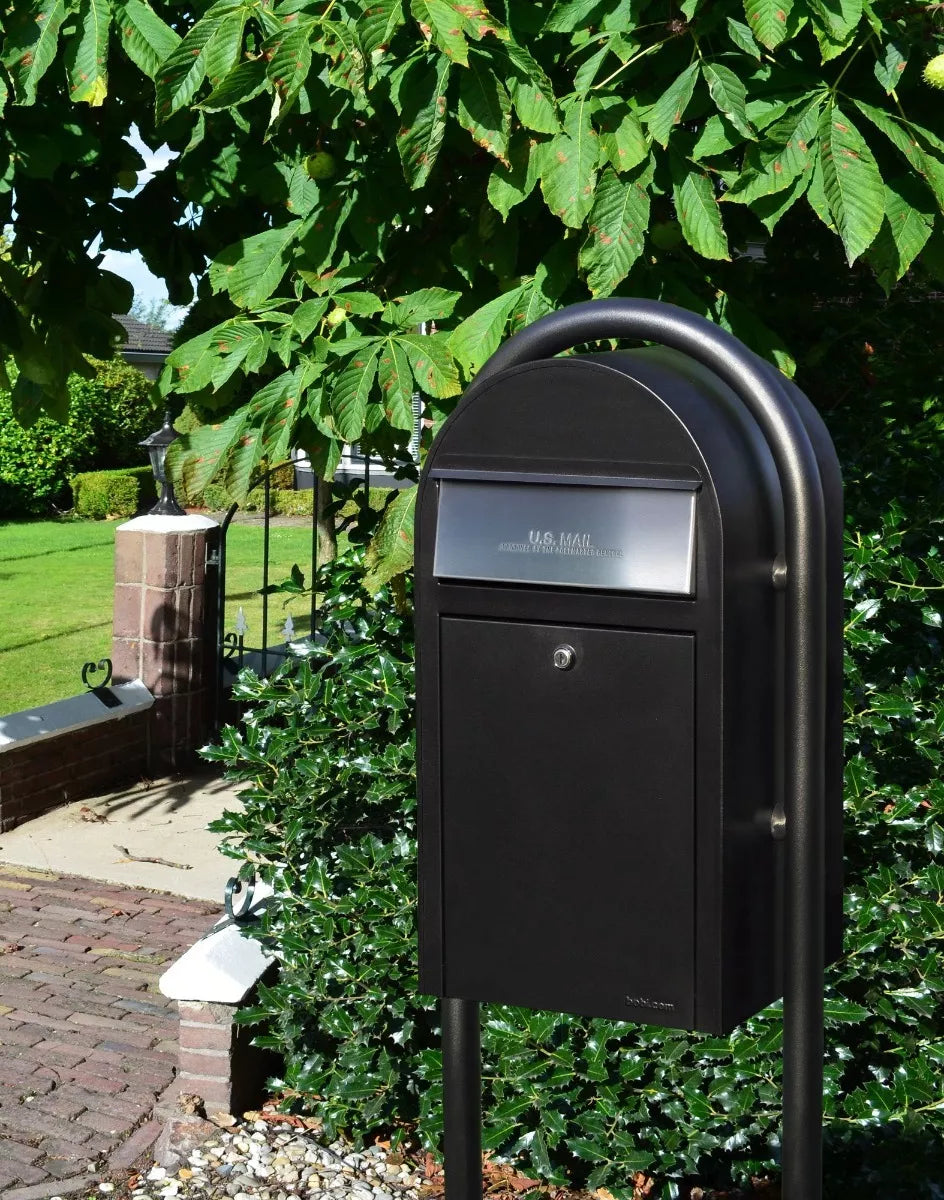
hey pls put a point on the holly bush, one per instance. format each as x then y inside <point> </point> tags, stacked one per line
<point>327,751</point>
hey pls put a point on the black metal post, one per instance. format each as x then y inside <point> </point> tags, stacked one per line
<point>462,1098</point>
<point>804,553</point>
<point>266,497</point>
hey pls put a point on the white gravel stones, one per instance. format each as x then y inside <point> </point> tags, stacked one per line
<point>275,1160</point>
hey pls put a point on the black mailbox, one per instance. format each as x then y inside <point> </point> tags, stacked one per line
<point>602,645</point>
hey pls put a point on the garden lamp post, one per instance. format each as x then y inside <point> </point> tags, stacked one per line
<point>156,445</point>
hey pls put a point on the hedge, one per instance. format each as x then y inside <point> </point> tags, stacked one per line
<point>108,415</point>
<point>326,752</point>
<point>120,493</point>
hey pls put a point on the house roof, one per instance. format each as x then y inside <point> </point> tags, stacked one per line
<point>142,338</point>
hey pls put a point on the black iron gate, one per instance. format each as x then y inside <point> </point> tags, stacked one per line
<point>264,638</point>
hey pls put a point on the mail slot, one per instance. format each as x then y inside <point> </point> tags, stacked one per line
<point>601,657</point>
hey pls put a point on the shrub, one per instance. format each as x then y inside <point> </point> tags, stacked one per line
<point>108,416</point>
<point>327,754</point>
<point>100,494</point>
<point>293,504</point>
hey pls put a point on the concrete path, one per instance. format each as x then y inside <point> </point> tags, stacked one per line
<point>87,1043</point>
<point>160,819</point>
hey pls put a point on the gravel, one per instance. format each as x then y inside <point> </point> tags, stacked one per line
<point>272,1160</point>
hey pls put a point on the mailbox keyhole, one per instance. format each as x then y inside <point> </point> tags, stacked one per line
<point>564,657</point>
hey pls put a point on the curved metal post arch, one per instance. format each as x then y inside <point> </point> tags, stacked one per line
<point>804,680</point>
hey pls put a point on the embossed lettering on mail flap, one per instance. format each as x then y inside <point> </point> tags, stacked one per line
<point>639,539</point>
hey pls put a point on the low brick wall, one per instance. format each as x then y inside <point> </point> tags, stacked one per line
<point>42,775</point>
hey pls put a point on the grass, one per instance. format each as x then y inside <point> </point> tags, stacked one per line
<point>56,580</point>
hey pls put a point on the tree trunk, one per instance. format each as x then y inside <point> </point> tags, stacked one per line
<point>327,535</point>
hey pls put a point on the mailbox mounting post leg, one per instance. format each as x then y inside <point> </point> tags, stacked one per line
<point>462,1098</point>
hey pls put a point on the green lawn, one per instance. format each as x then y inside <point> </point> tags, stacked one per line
<point>56,580</point>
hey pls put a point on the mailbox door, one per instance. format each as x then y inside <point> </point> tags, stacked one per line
<point>568,818</point>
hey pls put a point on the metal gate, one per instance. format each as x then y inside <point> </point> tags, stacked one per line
<point>252,628</point>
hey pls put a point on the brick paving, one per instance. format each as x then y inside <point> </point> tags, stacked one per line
<point>87,1042</point>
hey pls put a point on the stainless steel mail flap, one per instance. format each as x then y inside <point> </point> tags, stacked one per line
<point>639,539</point>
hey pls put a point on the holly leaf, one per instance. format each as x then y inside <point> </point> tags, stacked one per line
<point>145,38</point>
<point>662,117</point>
<point>390,551</point>
<point>422,108</point>
<point>350,395</point>
<point>851,182</point>
<point>87,57</point>
<point>617,226</point>
<point>697,210</point>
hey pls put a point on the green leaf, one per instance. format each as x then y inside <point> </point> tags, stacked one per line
<point>716,137</point>
<point>87,57</point>
<point>743,38</point>
<point>396,385</point>
<point>347,62</point>
<point>350,394</point>
<point>250,270</point>
<point>433,366</point>
<point>30,45</point>
<point>771,208</point>
<point>390,551</point>
<point>195,458</point>
<point>378,23</point>
<point>145,38</point>
<point>697,210</point>
<point>835,23</point>
<point>621,137</point>
<point>669,109</point>
<point>890,67</point>
<point>288,59</point>
<point>243,83</point>
<point>180,76</point>
<point>428,304</point>
<point>567,16</point>
<point>532,93</point>
<point>307,315</point>
<point>485,108</point>
<point>785,154</point>
<point>617,226</point>
<point>569,167</point>
<point>477,337</point>
<point>851,182</point>
<point>729,96</point>
<point>422,106</point>
<point>513,182</point>
<point>237,342</point>
<point>444,26</point>
<point>844,1011</point>
<point>909,220</point>
<point>767,20</point>
<point>226,45</point>
<point>4,94</point>
<point>189,368</point>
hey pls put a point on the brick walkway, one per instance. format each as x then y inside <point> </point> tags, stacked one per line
<point>87,1042</point>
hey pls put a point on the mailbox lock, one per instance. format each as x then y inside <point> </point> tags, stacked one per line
<point>564,657</point>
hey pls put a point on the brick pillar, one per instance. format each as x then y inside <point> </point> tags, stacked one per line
<point>165,629</point>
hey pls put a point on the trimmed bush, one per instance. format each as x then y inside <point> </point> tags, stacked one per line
<point>293,504</point>
<point>121,493</point>
<point>108,416</point>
